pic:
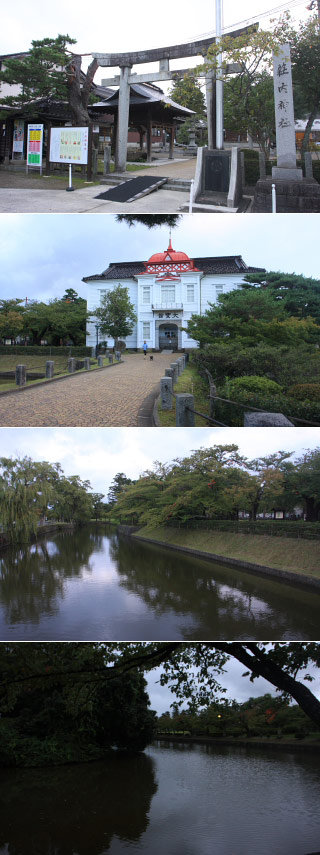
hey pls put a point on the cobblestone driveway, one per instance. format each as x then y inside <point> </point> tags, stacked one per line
<point>105,397</point>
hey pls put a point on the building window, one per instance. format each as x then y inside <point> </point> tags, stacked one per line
<point>146,330</point>
<point>190,292</point>
<point>102,295</point>
<point>219,290</point>
<point>167,294</point>
<point>146,294</point>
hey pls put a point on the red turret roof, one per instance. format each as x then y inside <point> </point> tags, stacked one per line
<point>169,261</point>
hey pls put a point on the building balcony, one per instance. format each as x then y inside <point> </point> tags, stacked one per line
<point>167,307</point>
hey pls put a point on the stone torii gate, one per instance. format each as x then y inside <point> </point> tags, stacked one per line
<point>163,55</point>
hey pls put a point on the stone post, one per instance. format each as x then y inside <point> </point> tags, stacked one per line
<point>285,128</point>
<point>118,355</point>
<point>100,361</point>
<point>106,159</point>
<point>266,420</point>
<point>49,368</point>
<point>184,404</point>
<point>262,165</point>
<point>166,393</point>
<point>211,109</point>
<point>110,357</point>
<point>169,373</point>
<point>308,164</point>
<point>174,368</point>
<point>94,162</point>
<point>243,172</point>
<point>93,352</point>
<point>21,375</point>
<point>71,365</point>
<point>123,120</point>
<point>86,363</point>
<point>171,143</point>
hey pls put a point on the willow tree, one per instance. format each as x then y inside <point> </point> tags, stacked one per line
<point>26,488</point>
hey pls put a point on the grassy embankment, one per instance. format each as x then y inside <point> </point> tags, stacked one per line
<point>282,553</point>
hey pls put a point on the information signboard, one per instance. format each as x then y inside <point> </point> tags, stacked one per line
<point>69,145</point>
<point>34,146</point>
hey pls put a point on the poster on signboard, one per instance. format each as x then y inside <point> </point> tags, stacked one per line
<point>18,135</point>
<point>34,146</point>
<point>69,145</point>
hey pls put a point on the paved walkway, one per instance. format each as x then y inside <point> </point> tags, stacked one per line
<point>39,197</point>
<point>105,397</point>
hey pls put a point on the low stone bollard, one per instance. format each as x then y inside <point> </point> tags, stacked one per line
<point>106,159</point>
<point>100,361</point>
<point>266,420</point>
<point>49,368</point>
<point>308,164</point>
<point>71,364</point>
<point>87,363</point>
<point>110,357</point>
<point>174,368</point>
<point>184,404</point>
<point>21,375</point>
<point>169,373</point>
<point>166,393</point>
<point>118,355</point>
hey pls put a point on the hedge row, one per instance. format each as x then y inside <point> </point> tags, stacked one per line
<point>45,350</point>
<point>276,528</point>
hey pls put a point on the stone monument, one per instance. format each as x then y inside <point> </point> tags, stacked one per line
<point>294,194</point>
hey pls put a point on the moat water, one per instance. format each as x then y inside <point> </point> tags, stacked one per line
<point>92,584</point>
<point>172,799</point>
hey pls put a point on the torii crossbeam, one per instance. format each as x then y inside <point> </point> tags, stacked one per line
<point>163,55</point>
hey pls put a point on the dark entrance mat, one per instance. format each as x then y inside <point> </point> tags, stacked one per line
<point>127,191</point>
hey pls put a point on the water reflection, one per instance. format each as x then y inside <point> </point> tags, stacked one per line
<point>76,809</point>
<point>93,584</point>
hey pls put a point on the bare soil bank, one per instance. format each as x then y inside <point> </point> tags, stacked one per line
<point>289,560</point>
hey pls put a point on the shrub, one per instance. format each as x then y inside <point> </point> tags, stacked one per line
<point>250,386</point>
<point>305,392</point>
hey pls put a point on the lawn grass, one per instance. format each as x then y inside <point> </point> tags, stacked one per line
<point>189,381</point>
<point>280,553</point>
<point>32,362</point>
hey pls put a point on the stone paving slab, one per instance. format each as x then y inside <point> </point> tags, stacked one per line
<point>99,398</point>
<point>84,201</point>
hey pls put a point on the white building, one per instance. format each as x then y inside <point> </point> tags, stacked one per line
<point>165,291</point>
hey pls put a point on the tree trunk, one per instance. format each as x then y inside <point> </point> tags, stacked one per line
<point>79,90</point>
<point>305,141</point>
<point>261,665</point>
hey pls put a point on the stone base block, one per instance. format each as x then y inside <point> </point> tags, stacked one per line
<point>266,420</point>
<point>287,173</point>
<point>292,196</point>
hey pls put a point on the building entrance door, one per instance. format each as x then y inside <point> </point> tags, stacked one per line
<point>168,337</point>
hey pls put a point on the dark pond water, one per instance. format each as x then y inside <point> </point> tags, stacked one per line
<point>95,585</point>
<point>172,800</point>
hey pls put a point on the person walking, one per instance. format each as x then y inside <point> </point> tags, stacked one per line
<point>145,348</point>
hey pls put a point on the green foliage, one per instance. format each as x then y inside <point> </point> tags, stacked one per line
<point>76,677</point>
<point>186,91</point>
<point>252,385</point>
<point>116,315</point>
<point>249,106</point>
<point>119,484</point>
<point>61,321</point>
<point>305,392</point>
<point>40,74</point>
<point>150,220</point>
<point>31,491</point>
<point>66,708</point>
<point>251,166</point>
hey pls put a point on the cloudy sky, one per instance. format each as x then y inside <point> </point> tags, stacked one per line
<point>97,454</point>
<point>42,255</point>
<point>109,29</point>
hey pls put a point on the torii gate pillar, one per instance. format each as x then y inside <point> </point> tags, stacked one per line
<point>123,120</point>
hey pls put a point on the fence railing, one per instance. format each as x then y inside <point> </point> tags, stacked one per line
<point>185,409</point>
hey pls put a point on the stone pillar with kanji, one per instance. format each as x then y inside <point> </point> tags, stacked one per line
<point>284,113</point>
